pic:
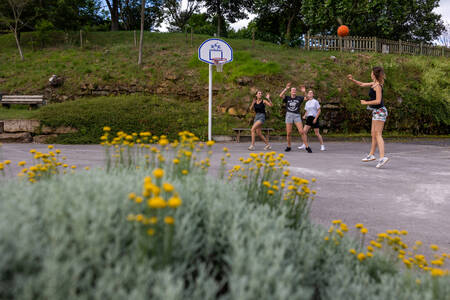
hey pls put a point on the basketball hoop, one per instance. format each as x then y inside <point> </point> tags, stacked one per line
<point>219,62</point>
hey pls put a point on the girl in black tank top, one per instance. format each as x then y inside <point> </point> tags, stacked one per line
<point>260,108</point>
<point>379,113</point>
<point>259,105</point>
<point>373,96</point>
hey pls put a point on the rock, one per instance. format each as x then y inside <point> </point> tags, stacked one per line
<point>56,81</point>
<point>243,80</point>
<point>333,58</point>
<point>42,139</point>
<point>21,137</point>
<point>58,130</point>
<point>242,111</point>
<point>232,111</point>
<point>20,125</point>
<point>331,106</point>
<point>222,138</point>
<point>100,93</point>
<point>171,76</point>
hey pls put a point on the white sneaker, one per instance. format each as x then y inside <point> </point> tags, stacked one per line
<point>368,158</point>
<point>302,147</point>
<point>267,147</point>
<point>251,148</point>
<point>322,148</point>
<point>382,162</point>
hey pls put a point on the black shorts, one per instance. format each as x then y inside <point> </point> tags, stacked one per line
<point>310,120</point>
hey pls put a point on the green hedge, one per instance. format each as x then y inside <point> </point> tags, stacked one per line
<point>160,115</point>
<point>69,237</point>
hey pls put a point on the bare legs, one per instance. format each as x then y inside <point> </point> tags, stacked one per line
<point>377,137</point>
<point>256,130</point>
<point>300,131</point>
<point>316,131</point>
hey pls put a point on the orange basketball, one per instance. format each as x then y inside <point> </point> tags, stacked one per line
<point>343,31</point>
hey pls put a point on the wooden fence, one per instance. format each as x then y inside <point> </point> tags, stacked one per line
<point>372,44</point>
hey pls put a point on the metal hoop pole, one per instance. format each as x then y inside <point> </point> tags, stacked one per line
<point>210,103</point>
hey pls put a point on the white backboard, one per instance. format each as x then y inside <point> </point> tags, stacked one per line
<point>215,48</point>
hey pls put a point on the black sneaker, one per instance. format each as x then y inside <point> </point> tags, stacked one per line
<point>287,149</point>
<point>308,149</point>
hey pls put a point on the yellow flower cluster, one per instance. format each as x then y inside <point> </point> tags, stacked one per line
<point>336,232</point>
<point>391,242</point>
<point>266,178</point>
<point>44,165</point>
<point>159,200</point>
<point>130,150</point>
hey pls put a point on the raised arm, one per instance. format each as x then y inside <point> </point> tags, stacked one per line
<point>350,77</point>
<point>288,85</point>
<point>267,100</point>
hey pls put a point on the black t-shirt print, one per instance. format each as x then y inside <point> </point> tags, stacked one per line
<point>293,104</point>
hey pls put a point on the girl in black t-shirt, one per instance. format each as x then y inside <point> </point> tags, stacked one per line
<point>259,105</point>
<point>379,113</point>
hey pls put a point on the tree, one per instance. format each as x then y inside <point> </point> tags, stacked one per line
<point>113,6</point>
<point>401,19</point>
<point>284,14</point>
<point>230,10</point>
<point>178,18</point>
<point>444,38</point>
<point>15,22</point>
<point>141,40</point>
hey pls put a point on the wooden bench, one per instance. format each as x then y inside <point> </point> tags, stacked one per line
<point>238,132</point>
<point>32,100</point>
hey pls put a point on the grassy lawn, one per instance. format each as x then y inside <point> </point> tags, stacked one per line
<point>17,112</point>
<point>417,91</point>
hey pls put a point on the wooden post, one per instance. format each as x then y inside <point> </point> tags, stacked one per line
<point>253,37</point>
<point>340,43</point>
<point>81,38</point>
<point>443,48</point>
<point>375,44</point>
<point>135,40</point>
<point>400,46</point>
<point>307,40</point>
<point>192,34</point>
<point>421,48</point>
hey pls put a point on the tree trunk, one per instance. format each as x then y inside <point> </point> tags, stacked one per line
<point>219,17</point>
<point>141,41</point>
<point>114,11</point>
<point>18,44</point>
<point>288,29</point>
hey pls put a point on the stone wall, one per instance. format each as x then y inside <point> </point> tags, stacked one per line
<point>27,131</point>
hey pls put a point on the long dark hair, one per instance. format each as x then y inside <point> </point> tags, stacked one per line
<point>378,72</point>
<point>256,95</point>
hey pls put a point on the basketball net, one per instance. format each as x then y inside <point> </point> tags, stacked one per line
<point>219,62</point>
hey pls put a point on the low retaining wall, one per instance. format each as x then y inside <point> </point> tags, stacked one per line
<point>27,131</point>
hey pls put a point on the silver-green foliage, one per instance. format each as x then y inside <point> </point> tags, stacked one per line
<point>68,238</point>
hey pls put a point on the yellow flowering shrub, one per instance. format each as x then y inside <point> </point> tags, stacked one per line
<point>155,214</point>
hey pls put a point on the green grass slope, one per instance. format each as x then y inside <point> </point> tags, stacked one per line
<point>417,91</point>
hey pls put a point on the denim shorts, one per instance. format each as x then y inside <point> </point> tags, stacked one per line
<point>379,114</point>
<point>293,118</point>
<point>260,117</point>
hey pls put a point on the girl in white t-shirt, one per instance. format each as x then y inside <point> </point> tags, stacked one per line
<point>312,113</point>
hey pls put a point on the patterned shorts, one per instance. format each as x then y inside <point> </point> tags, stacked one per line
<point>379,114</point>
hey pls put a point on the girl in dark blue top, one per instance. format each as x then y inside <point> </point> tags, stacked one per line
<point>379,113</point>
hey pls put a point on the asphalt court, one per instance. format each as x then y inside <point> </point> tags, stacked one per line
<point>412,191</point>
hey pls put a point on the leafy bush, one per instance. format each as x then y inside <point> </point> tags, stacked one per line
<point>129,113</point>
<point>70,237</point>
